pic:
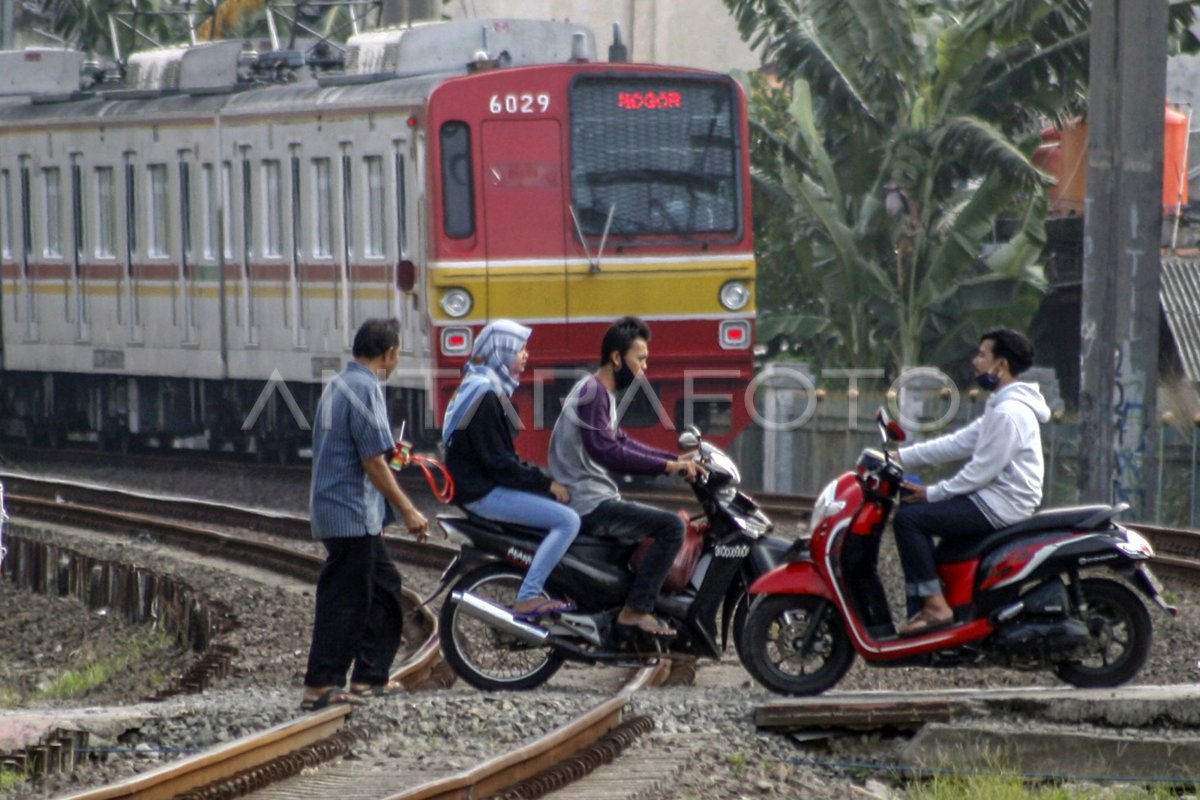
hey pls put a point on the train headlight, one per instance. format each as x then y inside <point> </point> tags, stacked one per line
<point>734,295</point>
<point>457,303</point>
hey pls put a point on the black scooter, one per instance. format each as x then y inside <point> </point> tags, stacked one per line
<point>726,549</point>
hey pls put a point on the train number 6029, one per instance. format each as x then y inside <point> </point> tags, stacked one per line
<point>524,103</point>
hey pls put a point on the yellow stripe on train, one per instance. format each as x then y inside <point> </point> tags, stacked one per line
<point>519,294</point>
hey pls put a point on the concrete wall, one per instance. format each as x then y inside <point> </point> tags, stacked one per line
<point>697,33</point>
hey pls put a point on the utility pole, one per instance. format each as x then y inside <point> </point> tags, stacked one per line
<point>1121,249</point>
<point>7,14</point>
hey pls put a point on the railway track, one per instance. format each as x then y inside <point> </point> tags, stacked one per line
<point>784,508</point>
<point>1178,549</point>
<point>288,748</point>
<point>110,507</point>
<point>1173,547</point>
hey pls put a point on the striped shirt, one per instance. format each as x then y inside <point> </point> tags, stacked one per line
<point>351,426</point>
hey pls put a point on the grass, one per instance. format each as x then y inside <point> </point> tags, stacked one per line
<point>89,669</point>
<point>1012,787</point>
<point>10,779</point>
<point>97,669</point>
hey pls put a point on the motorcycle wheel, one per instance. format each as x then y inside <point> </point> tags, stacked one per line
<point>482,656</point>
<point>1121,631</point>
<point>776,629</point>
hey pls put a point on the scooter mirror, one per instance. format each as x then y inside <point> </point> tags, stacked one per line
<point>690,438</point>
<point>889,429</point>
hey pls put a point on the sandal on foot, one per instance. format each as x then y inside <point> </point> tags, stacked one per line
<point>379,690</point>
<point>924,622</point>
<point>332,696</point>
<point>543,608</point>
<point>645,627</point>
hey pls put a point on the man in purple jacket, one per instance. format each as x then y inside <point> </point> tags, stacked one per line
<point>586,446</point>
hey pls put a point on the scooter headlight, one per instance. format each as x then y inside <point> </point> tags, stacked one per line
<point>826,506</point>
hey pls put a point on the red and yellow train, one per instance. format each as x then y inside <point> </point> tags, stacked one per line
<point>186,255</point>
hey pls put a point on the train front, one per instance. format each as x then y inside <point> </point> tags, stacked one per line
<point>569,195</point>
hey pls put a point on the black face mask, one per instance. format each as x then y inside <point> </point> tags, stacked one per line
<point>624,376</point>
<point>987,381</point>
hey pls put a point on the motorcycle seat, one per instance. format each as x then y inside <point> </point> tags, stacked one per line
<point>534,533</point>
<point>1074,518</point>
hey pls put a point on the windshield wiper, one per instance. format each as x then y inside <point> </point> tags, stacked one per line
<point>593,263</point>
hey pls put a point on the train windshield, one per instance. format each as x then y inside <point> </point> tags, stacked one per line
<point>658,154</point>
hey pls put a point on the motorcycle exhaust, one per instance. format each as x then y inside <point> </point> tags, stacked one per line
<point>498,617</point>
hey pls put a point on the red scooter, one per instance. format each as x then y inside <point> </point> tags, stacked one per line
<point>1019,595</point>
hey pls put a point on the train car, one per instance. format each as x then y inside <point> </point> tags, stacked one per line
<point>187,254</point>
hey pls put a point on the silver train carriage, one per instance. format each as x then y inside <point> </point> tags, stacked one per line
<point>187,254</point>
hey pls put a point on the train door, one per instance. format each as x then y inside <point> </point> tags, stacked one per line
<point>524,229</point>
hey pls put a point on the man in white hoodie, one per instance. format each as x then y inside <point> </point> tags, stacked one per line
<point>1000,485</point>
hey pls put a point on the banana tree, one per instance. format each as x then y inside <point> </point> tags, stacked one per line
<point>904,140</point>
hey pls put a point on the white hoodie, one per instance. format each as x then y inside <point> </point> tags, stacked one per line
<point>1005,471</point>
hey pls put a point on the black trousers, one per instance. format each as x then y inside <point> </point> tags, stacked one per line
<point>359,617</point>
<point>631,522</point>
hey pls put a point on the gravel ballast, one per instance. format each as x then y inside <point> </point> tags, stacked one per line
<point>43,634</point>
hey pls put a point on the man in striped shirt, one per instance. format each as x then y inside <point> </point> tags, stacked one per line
<point>359,616</point>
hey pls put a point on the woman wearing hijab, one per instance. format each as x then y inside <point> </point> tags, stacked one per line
<point>489,479</point>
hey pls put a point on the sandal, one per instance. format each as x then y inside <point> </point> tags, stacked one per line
<point>543,608</point>
<point>379,690</point>
<point>332,696</point>
<point>924,622</point>
<point>645,627</point>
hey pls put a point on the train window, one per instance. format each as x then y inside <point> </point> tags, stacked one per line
<point>710,416</point>
<point>130,214</point>
<point>322,208</point>
<point>106,213</point>
<point>639,407</point>
<point>208,211</point>
<point>52,215</point>
<point>76,212</point>
<point>26,218</point>
<point>660,154</point>
<point>458,196</point>
<point>6,215</point>
<point>185,212</point>
<point>401,227</point>
<point>159,220</point>
<point>227,200</point>
<point>247,219</point>
<point>374,217</point>
<point>297,208</point>
<point>347,206</point>
<point>273,208</point>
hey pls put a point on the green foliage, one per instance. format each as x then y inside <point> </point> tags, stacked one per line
<point>95,669</point>
<point>92,666</point>
<point>892,139</point>
<point>1012,787</point>
<point>84,24</point>
<point>11,780</point>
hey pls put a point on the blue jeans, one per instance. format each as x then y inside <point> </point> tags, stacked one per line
<point>917,523</point>
<point>535,511</point>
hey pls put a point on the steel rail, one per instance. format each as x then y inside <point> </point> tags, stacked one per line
<point>275,523</point>
<point>503,771</point>
<point>256,750</point>
<point>172,780</point>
